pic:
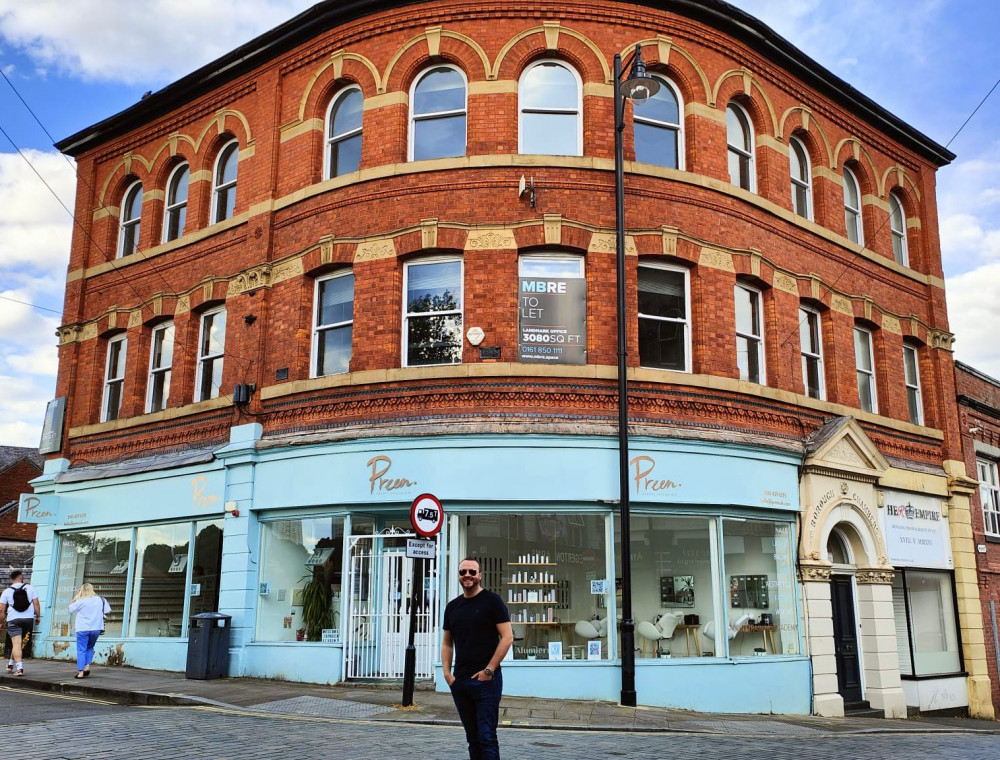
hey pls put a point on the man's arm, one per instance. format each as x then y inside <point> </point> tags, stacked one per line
<point>38,609</point>
<point>506,632</point>
<point>3,610</point>
<point>446,656</point>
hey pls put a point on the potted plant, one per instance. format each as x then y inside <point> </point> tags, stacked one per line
<point>316,612</point>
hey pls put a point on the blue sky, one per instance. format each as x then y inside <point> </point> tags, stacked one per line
<point>76,62</point>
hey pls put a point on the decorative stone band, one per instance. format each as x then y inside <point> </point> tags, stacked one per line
<point>814,572</point>
<point>872,577</point>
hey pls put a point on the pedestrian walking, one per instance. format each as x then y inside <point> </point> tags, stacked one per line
<point>19,603</point>
<point>477,631</point>
<point>90,610</point>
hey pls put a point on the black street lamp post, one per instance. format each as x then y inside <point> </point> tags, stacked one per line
<point>637,87</point>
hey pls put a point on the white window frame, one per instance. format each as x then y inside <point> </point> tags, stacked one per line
<point>164,370</point>
<point>318,329</point>
<point>913,385</point>
<point>130,225</point>
<point>173,209</point>
<point>686,320</point>
<point>897,225</point>
<point>739,149</point>
<point>204,358</point>
<point>803,182</point>
<point>219,187</point>
<point>850,211</point>
<point>331,140</point>
<point>756,297</point>
<point>578,110</point>
<point>464,112</point>
<point>861,370</point>
<point>806,315</point>
<point>677,129</point>
<point>989,495</point>
<point>404,356</point>
<point>112,381</point>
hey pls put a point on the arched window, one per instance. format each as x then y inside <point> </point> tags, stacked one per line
<point>343,133</point>
<point>131,217</point>
<point>852,208</point>
<point>801,173</point>
<point>224,182</point>
<point>551,103</point>
<point>739,139</point>
<point>437,114</point>
<point>175,213</point>
<point>658,130</point>
<point>897,223</point>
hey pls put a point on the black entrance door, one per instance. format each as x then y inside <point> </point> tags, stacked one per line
<point>845,639</point>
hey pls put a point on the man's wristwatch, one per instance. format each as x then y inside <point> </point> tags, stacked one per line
<point>488,671</point>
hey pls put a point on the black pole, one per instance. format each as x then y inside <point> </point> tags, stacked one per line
<point>628,695</point>
<point>410,661</point>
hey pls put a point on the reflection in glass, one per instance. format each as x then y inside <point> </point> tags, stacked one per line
<point>852,207</point>
<point>740,147</point>
<point>663,318</point>
<point>160,366</point>
<point>550,110</point>
<point>799,162</point>
<point>225,183</point>
<point>176,208</point>
<point>334,324</point>
<point>657,128</point>
<point>206,569</point>
<point>114,379</point>
<point>211,354</point>
<point>131,217</point>
<point>749,336</point>
<point>161,566</point>
<point>438,114</point>
<point>434,313</point>
<point>97,557</point>
<point>344,134</point>
<point>929,635</point>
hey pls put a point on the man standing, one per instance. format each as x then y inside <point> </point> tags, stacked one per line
<point>19,603</point>
<point>477,627</point>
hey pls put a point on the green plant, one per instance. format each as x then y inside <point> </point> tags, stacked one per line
<point>316,612</point>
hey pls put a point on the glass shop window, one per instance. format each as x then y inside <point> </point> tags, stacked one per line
<point>926,625</point>
<point>206,567</point>
<point>161,566</point>
<point>97,557</point>
<point>551,571</point>
<point>300,578</point>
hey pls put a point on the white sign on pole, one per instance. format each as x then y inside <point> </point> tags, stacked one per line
<point>419,548</point>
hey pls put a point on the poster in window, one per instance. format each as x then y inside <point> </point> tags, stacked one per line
<point>552,313</point>
<point>677,590</point>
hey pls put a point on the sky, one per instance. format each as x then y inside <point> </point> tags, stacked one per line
<point>76,62</point>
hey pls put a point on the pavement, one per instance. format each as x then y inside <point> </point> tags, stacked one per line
<point>381,702</point>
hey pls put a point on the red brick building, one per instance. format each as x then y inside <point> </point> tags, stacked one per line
<point>18,467</point>
<point>306,285</point>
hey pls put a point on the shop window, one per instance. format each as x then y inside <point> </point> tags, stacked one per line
<point>926,625</point>
<point>989,496</point>
<point>550,106</point>
<point>664,320</point>
<point>864,361</point>
<point>552,309</point>
<point>801,176</point>
<point>551,571</point>
<point>739,141</point>
<point>175,213</point>
<point>811,348</point>
<point>852,208</point>
<point>161,567</point>
<point>658,129</point>
<point>101,558</point>
<point>749,334</point>
<point>211,353</point>
<point>897,226</point>
<point>114,378</point>
<point>432,323</point>
<point>300,578</point>
<point>224,182</point>
<point>131,217</point>
<point>343,133</point>
<point>206,567</point>
<point>161,359</point>
<point>438,114</point>
<point>911,377</point>
<point>333,324</point>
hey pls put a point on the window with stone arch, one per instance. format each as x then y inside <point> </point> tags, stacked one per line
<point>852,208</point>
<point>659,127</point>
<point>801,177</point>
<point>897,226</point>
<point>550,104</point>
<point>131,218</point>
<point>739,144</point>
<point>438,112</point>
<point>175,209</point>
<point>342,154</point>
<point>224,182</point>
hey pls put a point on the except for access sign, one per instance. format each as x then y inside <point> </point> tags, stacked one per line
<point>420,548</point>
<point>427,515</point>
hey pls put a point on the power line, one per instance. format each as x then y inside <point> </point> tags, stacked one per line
<point>32,305</point>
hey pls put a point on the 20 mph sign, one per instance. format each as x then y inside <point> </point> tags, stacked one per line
<point>427,515</point>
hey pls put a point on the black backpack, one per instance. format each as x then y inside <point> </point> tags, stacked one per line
<point>21,601</point>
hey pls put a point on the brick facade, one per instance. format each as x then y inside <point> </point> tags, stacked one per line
<point>18,466</point>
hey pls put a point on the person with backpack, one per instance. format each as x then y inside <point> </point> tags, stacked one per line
<point>19,602</point>
<point>90,610</point>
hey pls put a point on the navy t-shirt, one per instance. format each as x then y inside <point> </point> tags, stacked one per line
<point>473,625</point>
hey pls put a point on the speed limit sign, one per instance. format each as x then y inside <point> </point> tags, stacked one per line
<point>427,515</point>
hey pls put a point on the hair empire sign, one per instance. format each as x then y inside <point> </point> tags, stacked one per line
<point>916,533</point>
<point>553,320</point>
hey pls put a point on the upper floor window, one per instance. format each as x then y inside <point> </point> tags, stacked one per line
<point>798,160</point>
<point>437,116</point>
<point>333,324</point>
<point>852,208</point>
<point>811,347</point>
<point>897,223</point>
<point>161,360</point>
<point>551,102</point>
<point>658,131</point>
<point>911,376</point>
<point>749,334</point>
<point>177,200</point>
<point>432,320</point>
<point>989,496</point>
<point>114,378</point>
<point>664,318</point>
<point>739,139</point>
<point>864,361</point>
<point>343,133</point>
<point>224,182</point>
<point>211,352</point>
<point>131,217</point>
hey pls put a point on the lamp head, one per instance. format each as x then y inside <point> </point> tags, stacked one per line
<point>639,86</point>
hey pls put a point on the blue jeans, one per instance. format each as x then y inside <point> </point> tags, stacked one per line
<point>478,704</point>
<point>85,641</point>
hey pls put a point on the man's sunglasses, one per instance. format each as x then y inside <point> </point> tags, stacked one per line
<point>468,572</point>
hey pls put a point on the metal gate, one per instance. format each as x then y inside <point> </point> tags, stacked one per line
<point>378,607</point>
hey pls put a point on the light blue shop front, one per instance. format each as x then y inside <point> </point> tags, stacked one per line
<point>713,561</point>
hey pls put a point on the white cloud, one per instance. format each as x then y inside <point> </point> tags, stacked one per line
<point>155,40</point>
<point>22,408</point>
<point>974,314</point>
<point>35,229</point>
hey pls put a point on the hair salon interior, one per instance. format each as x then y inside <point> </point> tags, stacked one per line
<point>372,254</point>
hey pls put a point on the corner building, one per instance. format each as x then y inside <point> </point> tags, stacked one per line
<point>307,287</point>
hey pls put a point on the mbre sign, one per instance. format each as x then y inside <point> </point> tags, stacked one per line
<point>553,320</point>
